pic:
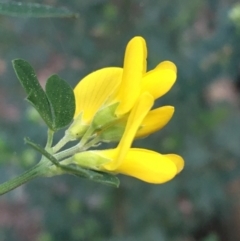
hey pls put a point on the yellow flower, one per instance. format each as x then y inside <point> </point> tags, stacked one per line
<point>122,87</point>
<point>117,103</point>
<point>143,164</point>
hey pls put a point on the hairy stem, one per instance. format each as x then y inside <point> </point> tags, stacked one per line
<point>30,174</point>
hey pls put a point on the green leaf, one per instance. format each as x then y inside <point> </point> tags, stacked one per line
<point>62,101</point>
<point>34,10</point>
<point>57,105</point>
<point>36,95</point>
<point>42,151</point>
<point>106,178</point>
<point>101,177</point>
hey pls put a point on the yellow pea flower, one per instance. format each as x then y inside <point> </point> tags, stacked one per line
<point>120,86</point>
<point>143,164</point>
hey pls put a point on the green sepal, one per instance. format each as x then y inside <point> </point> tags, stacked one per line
<point>62,101</point>
<point>34,10</point>
<point>77,129</point>
<point>105,117</point>
<point>100,177</point>
<point>36,95</point>
<point>113,133</point>
<point>42,151</point>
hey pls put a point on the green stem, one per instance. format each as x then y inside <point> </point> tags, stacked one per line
<point>91,143</point>
<point>69,152</point>
<point>86,136</point>
<point>77,148</point>
<point>61,143</point>
<point>30,174</point>
<point>49,139</point>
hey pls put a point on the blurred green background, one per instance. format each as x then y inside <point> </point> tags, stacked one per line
<point>202,203</point>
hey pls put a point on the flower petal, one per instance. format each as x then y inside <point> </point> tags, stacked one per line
<point>139,111</point>
<point>178,160</point>
<point>94,90</point>
<point>159,80</point>
<point>133,70</point>
<point>148,166</point>
<point>167,65</point>
<point>155,120</point>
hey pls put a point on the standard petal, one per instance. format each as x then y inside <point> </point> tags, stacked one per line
<point>148,166</point>
<point>158,81</point>
<point>137,114</point>
<point>94,90</point>
<point>133,70</point>
<point>155,120</point>
<point>178,160</point>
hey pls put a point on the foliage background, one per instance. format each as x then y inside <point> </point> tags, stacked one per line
<point>203,202</point>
